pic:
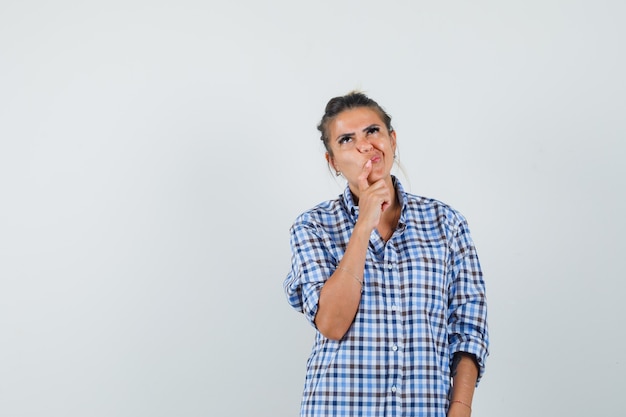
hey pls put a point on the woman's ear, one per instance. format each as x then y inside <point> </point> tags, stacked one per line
<point>331,161</point>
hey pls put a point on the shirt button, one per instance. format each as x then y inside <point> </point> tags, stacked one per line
<point>390,266</point>
<point>394,389</point>
<point>394,347</point>
<point>394,307</point>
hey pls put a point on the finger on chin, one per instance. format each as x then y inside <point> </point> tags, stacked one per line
<point>364,182</point>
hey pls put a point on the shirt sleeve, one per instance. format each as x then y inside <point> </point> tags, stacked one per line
<point>467,306</point>
<point>311,265</point>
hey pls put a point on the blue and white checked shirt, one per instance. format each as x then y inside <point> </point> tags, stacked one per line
<point>423,300</point>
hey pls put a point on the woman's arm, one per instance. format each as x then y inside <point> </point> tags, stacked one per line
<point>467,303</point>
<point>341,294</point>
<point>464,381</point>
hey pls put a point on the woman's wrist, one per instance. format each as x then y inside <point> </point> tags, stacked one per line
<point>362,230</point>
<point>459,408</point>
<point>463,403</point>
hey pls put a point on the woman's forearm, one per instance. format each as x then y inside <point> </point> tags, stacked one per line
<point>341,294</point>
<point>463,385</point>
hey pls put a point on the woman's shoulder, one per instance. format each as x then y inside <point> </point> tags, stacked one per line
<point>423,208</point>
<point>329,211</point>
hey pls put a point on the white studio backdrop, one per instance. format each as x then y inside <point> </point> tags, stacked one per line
<point>153,155</point>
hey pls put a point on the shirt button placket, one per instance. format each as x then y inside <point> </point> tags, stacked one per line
<point>395,329</point>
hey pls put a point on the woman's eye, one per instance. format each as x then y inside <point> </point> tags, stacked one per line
<point>373,130</point>
<point>344,139</point>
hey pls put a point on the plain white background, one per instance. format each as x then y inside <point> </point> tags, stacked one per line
<point>153,155</point>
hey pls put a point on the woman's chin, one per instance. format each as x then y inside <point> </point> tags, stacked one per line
<point>376,176</point>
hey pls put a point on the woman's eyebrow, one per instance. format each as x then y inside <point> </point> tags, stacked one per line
<point>371,126</point>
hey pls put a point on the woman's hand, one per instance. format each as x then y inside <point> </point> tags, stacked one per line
<point>374,198</point>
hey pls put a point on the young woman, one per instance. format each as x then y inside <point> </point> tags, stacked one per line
<point>391,282</point>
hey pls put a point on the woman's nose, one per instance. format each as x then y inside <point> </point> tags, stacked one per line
<point>364,145</point>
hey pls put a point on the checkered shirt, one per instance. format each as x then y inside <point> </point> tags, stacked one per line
<point>423,300</point>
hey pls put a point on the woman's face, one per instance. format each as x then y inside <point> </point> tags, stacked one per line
<point>356,136</point>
